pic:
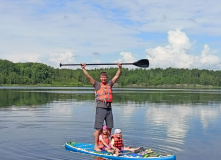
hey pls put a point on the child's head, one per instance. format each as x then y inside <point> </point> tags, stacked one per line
<point>104,129</point>
<point>117,132</point>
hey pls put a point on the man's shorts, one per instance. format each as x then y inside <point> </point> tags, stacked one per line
<point>103,114</point>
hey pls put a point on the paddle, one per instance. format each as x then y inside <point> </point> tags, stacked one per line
<point>144,63</point>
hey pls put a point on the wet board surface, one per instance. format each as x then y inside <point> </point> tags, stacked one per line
<point>89,149</point>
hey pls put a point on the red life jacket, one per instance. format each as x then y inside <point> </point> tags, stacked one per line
<point>105,138</point>
<point>118,142</point>
<point>104,94</point>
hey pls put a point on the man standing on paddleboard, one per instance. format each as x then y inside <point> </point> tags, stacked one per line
<point>103,91</point>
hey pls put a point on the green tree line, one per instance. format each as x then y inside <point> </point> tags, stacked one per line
<point>38,73</point>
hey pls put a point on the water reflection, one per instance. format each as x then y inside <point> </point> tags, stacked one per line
<point>99,158</point>
<point>35,96</point>
<point>184,122</point>
<point>40,95</point>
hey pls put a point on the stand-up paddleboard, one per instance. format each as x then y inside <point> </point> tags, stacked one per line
<point>89,149</point>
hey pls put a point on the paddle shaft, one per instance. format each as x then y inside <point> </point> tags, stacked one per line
<point>141,63</point>
<point>96,64</point>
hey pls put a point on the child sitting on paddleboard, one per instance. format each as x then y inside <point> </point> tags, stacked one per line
<point>103,142</point>
<point>118,145</point>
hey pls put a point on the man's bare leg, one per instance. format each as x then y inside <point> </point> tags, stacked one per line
<point>109,131</point>
<point>96,136</point>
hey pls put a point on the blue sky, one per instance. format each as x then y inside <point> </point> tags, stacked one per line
<point>179,34</point>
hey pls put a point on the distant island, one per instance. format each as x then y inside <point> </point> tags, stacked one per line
<point>38,74</point>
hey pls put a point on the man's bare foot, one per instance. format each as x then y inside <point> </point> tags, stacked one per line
<point>97,149</point>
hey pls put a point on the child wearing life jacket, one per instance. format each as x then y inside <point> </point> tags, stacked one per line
<point>103,142</point>
<point>118,145</point>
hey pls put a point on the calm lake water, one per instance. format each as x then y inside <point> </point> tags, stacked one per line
<point>36,122</point>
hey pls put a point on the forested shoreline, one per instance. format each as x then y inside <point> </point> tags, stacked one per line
<point>40,74</point>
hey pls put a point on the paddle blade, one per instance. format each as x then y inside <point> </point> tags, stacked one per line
<point>142,63</point>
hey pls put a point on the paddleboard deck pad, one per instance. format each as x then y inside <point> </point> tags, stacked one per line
<point>89,149</point>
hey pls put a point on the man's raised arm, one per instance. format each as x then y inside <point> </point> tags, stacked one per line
<point>117,73</point>
<point>91,80</point>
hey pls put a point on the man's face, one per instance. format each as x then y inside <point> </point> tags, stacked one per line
<point>103,79</point>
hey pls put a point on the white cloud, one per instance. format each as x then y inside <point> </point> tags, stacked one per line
<point>176,54</point>
<point>207,56</point>
<point>160,16</point>
<point>178,40</point>
<point>39,27</point>
<point>22,57</point>
<point>126,57</point>
<point>65,57</point>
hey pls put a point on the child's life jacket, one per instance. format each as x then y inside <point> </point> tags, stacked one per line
<point>105,138</point>
<point>118,141</point>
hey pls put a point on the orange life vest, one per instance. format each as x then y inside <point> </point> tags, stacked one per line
<point>118,142</point>
<point>104,94</point>
<point>105,138</point>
